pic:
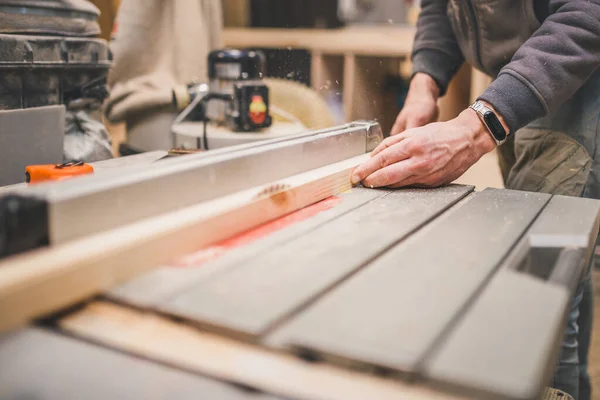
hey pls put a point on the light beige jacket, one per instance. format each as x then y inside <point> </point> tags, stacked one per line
<point>159,44</point>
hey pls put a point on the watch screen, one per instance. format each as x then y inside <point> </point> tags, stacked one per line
<point>495,126</point>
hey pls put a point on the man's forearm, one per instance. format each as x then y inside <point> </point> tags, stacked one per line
<point>435,50</point>
<point>423,85</point>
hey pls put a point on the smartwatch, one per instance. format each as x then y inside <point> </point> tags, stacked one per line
<point>491,121</point>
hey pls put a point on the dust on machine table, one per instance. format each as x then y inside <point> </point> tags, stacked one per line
<point>360,294</point>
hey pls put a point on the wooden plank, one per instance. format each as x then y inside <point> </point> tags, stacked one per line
<point>43,365</point>
<point>249,300</point>
<point>390,314</point>
<point>367,41</point>
<point>161,284</point>
<point>43,281</point>
<point>349,85</point>
<point>507,343</point>
<point>168,342</point>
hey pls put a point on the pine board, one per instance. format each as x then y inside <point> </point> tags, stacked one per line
<point>46,280</point>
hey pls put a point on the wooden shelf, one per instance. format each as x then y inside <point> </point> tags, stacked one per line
<point>366,41</point>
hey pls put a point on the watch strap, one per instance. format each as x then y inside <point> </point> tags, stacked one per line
<point>491,122</point>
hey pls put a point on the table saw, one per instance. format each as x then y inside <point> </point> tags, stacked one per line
<point>258,272</point>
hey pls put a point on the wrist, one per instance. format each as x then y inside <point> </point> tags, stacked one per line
<point>477,131</point>
<point>424,85</point>
<point>500,118</point>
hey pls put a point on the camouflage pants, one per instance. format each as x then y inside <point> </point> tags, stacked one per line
<point>558,155</point>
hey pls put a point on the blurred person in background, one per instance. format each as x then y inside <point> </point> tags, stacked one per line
<point>157,46</point>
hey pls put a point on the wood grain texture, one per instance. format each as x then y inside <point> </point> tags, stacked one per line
<point>43,281</point>
<point>507,342</point>
<point>43,365</point>
<point>164,283</point>
<point>160,339</point>
<point>249,300</point>
<point>390,314</point>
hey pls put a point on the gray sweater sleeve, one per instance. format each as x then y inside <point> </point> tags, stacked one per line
<point>551,65</point>
<point>435,50</point>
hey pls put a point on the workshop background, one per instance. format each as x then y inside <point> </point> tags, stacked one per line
<point>354,86</point>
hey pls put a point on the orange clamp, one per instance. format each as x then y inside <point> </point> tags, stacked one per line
<point>55,172</point>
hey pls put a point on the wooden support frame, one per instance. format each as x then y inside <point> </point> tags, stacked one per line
<point>46,280</point>
<point>327,72</point>
<point>364,89</point>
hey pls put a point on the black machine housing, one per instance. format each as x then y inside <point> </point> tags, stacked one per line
<point>238,74</point>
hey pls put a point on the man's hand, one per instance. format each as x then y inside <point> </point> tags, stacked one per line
<point>429,156</point>
<point>420,107</point>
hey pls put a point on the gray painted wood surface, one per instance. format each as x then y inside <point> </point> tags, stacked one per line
<point>507,342</point>
<point>36,364</point>
<point>161,284</point>
<point>250,299</point>
<point>567,222</point>
<point>390,314</point>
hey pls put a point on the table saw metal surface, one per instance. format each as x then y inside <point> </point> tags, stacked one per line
<point>414,293</point>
